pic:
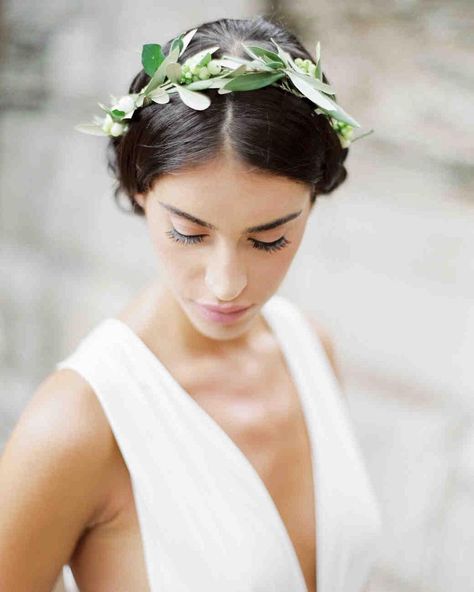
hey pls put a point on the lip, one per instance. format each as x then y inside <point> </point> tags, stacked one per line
<point>223,309</point>
<point>222,315</point>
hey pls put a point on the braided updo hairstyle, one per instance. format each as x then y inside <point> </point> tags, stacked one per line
<point>269,128</point>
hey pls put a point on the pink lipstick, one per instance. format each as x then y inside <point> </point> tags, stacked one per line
<point>221,314</point>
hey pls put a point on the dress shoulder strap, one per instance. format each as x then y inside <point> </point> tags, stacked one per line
<point>344,484</point>
<point>306,352</point>
<point>117,373</point>
<point>306,345</point>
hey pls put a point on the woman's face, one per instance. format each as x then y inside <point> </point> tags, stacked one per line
<point>204,224</point>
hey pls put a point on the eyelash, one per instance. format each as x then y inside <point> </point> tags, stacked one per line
<point>276,245</point>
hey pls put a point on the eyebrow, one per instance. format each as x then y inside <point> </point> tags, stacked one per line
<point>258,228</point>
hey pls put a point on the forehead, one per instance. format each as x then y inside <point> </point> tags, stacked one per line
<point>225,189</point>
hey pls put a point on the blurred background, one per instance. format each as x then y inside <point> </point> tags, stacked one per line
<point>386,264</point>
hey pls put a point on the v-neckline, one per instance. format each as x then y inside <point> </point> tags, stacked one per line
<point>294,372</point>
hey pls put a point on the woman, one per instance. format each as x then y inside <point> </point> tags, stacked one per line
<point>185,444</point>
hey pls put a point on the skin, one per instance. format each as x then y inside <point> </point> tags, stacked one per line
<point>225,267</point>
<point>65,492</point>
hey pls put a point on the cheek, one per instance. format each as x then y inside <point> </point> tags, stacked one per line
<point>178,262</point>
<point>267,270</point>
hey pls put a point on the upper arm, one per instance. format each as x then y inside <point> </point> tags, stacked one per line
<point>53,473</point>
<point>326,341</point>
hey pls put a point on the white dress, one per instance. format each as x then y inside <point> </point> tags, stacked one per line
<point>208,522</point>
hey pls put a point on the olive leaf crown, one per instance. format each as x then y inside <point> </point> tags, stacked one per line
<point>228,74</point>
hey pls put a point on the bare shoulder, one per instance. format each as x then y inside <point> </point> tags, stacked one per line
<point>324,336</point>
<point>54,480</point>
<point>65,429</point>
<point>65,409</point>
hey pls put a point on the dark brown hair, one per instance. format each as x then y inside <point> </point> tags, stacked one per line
<point>270,128</point>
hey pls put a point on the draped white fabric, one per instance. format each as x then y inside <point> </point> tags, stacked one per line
<point>207,520</point>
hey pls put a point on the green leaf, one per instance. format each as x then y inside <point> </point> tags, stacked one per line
<point>322,86</point>
<point>318,72</point>
<point>193,99</point>
<point>253,81</point>
<point>318,52</point>
<point>268,56</point>
<point>152,56</point>
<point>117,114</point>
<point>286,57</point>
<point>173,71</point>
<point>242,69</point>
<point>341,115</point>
<point>186,39</point>
<point>178,44</point>
<point>102,106</point>
<point>206,59</point>
<point>160,74</point>
<point>197,57</point>
<point>274,65</point>
<point>257,59</point>
<point>282,54</point>
<point>209,83</point>
<point>160,96</point>
<point>311,92</point>
<point>254,65</point>
<point>231,61</point>
<point>90,128</point>
<point>261,66</point>
<point>214,82</point>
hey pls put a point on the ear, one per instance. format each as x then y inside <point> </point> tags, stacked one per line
<point>140,199</point>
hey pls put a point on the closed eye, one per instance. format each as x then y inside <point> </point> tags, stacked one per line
<point>187,239</point>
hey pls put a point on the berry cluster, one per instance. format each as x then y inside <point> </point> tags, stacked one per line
<point>307,66</point>
<point>113,128</point>
<point>192,72</point>
<point>344,130</point>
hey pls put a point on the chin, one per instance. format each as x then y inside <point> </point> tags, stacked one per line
<point>226,335</point>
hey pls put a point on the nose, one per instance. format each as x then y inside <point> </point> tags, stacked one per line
<point>226,275</point>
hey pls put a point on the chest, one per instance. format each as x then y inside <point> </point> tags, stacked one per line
<point>265,421</point>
